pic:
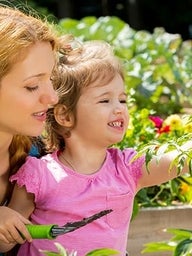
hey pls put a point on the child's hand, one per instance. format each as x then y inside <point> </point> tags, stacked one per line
<point>12,225</point>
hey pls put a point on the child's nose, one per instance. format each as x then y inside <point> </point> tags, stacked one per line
<point>119,107</point>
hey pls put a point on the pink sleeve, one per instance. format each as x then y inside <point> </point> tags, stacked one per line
<point>135,166</point>
<point>29,176</point>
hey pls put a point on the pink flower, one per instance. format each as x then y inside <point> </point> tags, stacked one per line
<point>157,121</point>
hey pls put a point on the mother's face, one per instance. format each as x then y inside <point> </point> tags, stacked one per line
<point>26,92</point>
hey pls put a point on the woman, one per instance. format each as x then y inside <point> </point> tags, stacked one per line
<point>28,48</point>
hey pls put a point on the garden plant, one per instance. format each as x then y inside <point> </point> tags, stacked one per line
<point>157,65</point>
<point>62,252</point>
<point>180,244</point>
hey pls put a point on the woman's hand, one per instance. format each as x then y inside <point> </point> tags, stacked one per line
<point>12,227</point>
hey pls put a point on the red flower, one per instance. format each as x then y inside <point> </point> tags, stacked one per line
<point>164,129</point>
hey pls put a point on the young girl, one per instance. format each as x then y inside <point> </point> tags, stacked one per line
<point>27,57</point>
<point>85,174</point>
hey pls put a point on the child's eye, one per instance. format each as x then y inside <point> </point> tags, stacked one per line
<point>123,101</point>
<point>104,101</point>
<point>31,89</point>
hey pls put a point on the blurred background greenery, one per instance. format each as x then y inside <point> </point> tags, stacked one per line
<point>175,16</point>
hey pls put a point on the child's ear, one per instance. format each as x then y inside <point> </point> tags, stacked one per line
<point>62,117</point>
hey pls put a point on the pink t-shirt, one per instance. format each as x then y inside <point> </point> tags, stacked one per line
<point>63,195</point>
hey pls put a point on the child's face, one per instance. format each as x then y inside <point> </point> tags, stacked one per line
<point>102,114</point>
<point>26,92</point>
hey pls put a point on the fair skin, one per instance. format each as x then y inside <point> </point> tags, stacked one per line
<point>26,93</point>
<point>29,90</point>
<point>102,119</point>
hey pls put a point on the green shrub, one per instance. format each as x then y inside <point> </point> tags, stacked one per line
<point>157,65</point>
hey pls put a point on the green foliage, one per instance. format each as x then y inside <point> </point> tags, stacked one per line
<point>180,244</point>
<point>103,252</point>
<point>157,65</point>
<point>144,135</point>
<point>63,252</point>
<point>176,190</point>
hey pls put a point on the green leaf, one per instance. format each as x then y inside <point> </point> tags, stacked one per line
<point>190,167</point>
<point>103,252</point>
<point>61,251</point>
<point>161,150</point>
<point>148,157</point>
<point>48,253</point>
<point>184,248</point>
<point>180,233</point>
<point>159,247</point>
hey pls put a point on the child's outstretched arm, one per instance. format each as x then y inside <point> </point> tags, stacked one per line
<point>14,218</point>
<point>159,170</point>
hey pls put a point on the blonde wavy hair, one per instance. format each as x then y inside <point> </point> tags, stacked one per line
<point>92,62</point>
<point>19,31</point>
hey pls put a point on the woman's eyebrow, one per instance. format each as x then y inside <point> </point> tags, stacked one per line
<point>34,76</point>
